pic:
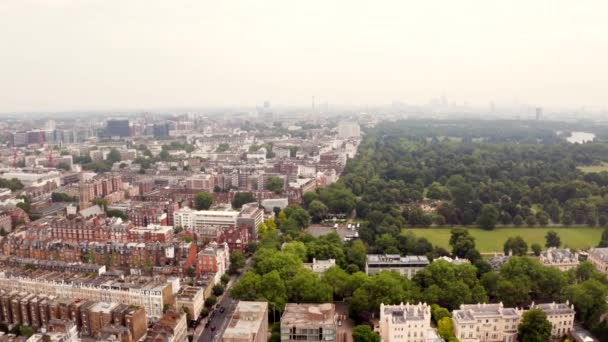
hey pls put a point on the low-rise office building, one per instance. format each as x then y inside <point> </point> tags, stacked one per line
<point>194,219</point>
<point>309,322</point>
<point>407,266</point>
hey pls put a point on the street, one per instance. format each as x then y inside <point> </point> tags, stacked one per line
<point>220,320</point>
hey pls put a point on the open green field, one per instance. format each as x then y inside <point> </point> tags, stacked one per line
<point>594,168</point>
<point>493,240</point>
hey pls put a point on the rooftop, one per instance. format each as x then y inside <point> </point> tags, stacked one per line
<point>555,308</point>
<point>601,253</point>
<point>309,314</point>
<point>246,319</point>
<point>397,259</point>
<point>408,312</point>
<point>470,312</point>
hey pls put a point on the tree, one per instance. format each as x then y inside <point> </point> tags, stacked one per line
<point>585,296</point>
<point>203,201</point>
<point>552,239</point>
<point>275,184</point>
<point>26,331</point>
<point>450,285</point>
<point>241,198</point>
<point>164,155</point>
<point>534,327</point>
<point>63,166</point>
<point>517,245</point>
<point>542,218</point>
<point>296,248</point>
<point>531,220</point>
<point>518,221</point>
<point>317,210</point>
<point>445,328</point>
<point>237,261</point>
<point>113,156</point>
<point>225,279</point>
<point>13,184</point>
<point>210,301</point>
<point>273,289</point>
<point>463,244</point>
<point>488,217</point>
<point>357,254</point>
<point>25,206</point>
<point>438,312</point>
<point>117,213</point>
<point>536,248</point>
<point>298,215</point>
<point>306,287</point>
<point>248,287</point>
<point>339,280</point>
<point>218,290</point>
<point>363,333</point>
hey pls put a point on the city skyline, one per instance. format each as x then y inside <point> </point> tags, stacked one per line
<point>109,55</point>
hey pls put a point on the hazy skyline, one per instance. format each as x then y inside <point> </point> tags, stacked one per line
<point>118,54</point>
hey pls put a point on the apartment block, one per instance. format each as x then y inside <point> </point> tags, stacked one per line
<point>214,259</point>
<point>309,322</point>
<point>249,323</point>
<point>486,323</point>
<point>251,215</point>
<point>192,298</point>
<point>151,294</point>
<point>151,233</point>
<point>171,327</point>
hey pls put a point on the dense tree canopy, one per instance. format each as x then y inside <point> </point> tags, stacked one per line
<point>203,201</point>
<point>534,327</point>
<point>241,198</point>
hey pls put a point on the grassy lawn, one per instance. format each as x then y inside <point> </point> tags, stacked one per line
<point>595,168</point>
<point>492,241</point>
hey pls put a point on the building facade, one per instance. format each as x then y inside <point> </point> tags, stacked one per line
<point>486,323</point>
<point>599,258</point>
<point>309,322</point>
<point>406,323</point>
<point>561,316</point>
<point>563,259</point>
<point>249,323</point>
<point>407,266</point>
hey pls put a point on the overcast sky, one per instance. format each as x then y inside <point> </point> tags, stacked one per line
<point>106,54</point>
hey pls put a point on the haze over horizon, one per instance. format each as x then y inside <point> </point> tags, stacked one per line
<point>104,54</point>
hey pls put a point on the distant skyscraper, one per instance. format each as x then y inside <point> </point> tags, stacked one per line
<point>161,130</point>
<point>118,128</point>
<point>348,130</point>
<point>539,113</point>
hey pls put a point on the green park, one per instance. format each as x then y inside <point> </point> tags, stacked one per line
<point>488,241</point>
